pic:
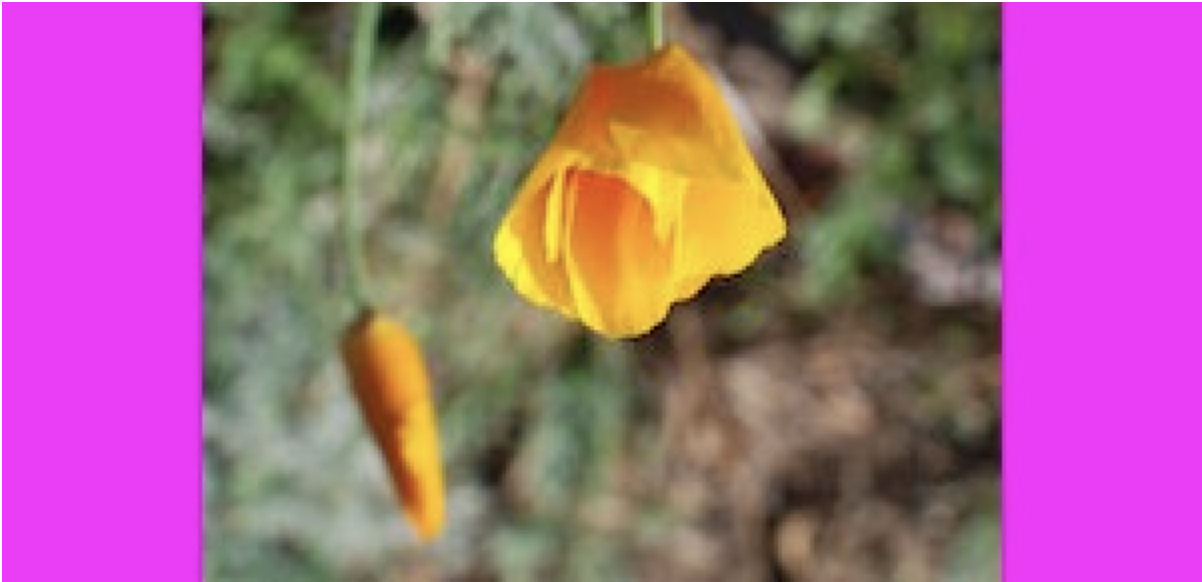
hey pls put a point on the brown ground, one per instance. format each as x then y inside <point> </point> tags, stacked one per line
<point>854,451</point>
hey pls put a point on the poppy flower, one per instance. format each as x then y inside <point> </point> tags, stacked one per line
<point>646,192</point>
<point>392,386</point>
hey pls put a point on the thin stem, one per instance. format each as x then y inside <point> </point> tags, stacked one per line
<point>655,24</point>
<point>364,40</point>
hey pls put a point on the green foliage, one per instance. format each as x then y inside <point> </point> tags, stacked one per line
<point>463,97</point>
<point>911,95</point>
<point>293,486</point>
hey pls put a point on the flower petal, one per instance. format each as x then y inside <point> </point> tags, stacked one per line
<point>391,384</point>
<point>722,231</point>
<point>526,247</point>
<point>618,270</point>
<point>646,192</point>
<point>418,470</point>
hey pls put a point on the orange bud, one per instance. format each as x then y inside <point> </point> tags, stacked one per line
<point>392,386</point>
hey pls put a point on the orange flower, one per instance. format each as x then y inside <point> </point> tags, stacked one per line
<point>646,193</point>
<point>393,389</point>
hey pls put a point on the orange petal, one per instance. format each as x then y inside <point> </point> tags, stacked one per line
<point>527,246</point>
<point>718,238</point>
<point>619,271</point>
<point>391,384</point>
<point>664,111</point>
<point>645,193</point>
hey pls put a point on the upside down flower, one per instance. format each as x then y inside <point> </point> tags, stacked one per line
<point>392,387</point>
<point>646,193</point>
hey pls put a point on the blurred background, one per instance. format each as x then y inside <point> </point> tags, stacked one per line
<point>829,415</point>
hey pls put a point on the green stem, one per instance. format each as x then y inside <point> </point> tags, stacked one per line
<point>353,244</point>
<point>655,24</point>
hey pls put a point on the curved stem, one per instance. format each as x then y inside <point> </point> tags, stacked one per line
<point>655,24</point>
<point>353,244</point>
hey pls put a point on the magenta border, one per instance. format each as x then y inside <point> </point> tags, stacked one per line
<point>102,172</point>
<point>1103,292</point>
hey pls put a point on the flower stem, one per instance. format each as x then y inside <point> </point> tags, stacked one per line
<point>655,24</point>
<point>366,20</point>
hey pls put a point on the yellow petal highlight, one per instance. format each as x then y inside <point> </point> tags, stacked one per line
<point>392,386</point>
<point>522,246</point>
<point>646,193</point>
<point>615,262</point>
